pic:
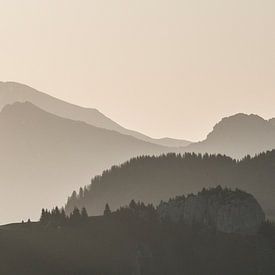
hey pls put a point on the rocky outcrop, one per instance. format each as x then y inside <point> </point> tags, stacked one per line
<point>226,210</point>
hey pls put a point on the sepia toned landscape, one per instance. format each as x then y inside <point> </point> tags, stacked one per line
<point>137,137</point>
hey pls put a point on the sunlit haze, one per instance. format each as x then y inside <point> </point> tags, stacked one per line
<point>165,68</point>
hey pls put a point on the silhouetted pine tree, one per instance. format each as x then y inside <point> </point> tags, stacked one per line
<point>81,193</point>
<point>44,216</point>
<point>107,210</point>
<point>133,205</point>
<point>75,217</point>
<point>63,217</point>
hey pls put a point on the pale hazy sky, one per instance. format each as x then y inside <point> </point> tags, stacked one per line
<point>165,68</point>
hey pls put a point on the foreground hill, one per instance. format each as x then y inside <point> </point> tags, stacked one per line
<point>237,136</point>
<point>44,157</point>
<point>125,244</point>
<point>11,92</point>
<point>152,179</point>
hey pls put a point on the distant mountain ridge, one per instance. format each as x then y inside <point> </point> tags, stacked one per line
<point>43,157</point>
<point>11,92</point>
<point>237,136</point>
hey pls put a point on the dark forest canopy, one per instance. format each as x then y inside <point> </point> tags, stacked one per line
<point>152,179</point>
<point>226,210</point>
<point>57,217</point>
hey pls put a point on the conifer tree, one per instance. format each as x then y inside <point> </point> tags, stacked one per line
<point>107,210</point>
<point>84,214</point>
<point>75,216</point>
<point>133,205</point>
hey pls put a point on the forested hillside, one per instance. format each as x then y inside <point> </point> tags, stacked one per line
<point>152,179</point>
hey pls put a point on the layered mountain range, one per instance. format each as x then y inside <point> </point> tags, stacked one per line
<point>11,92</point>
<point>44,157</point>
<point>50,147</point>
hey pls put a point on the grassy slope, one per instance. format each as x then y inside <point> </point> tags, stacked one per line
<point>109,246</point>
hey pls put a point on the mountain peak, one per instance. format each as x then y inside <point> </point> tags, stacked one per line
<point>237,136</point>
<point>241,118</point>
<point>20,108</point>
<point>13,84</point>
<point>237,123</point>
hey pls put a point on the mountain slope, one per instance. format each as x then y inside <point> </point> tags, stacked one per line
<point>237,136</point>
<point>11,92</point>
<point>43,157</point>
<point>152,179</point>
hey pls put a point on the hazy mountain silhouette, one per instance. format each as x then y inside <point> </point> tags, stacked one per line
<point>152,179</point>
<point>171,142</point>
<point>11,92</point>
<point>50,150</point>
<point>272,121</point>
<point>44,157</point>
<point>237,136</point>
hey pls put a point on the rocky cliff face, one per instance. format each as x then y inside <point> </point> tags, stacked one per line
<point>226,210</point>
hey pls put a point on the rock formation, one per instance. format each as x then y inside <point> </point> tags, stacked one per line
<point>223,209</point>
